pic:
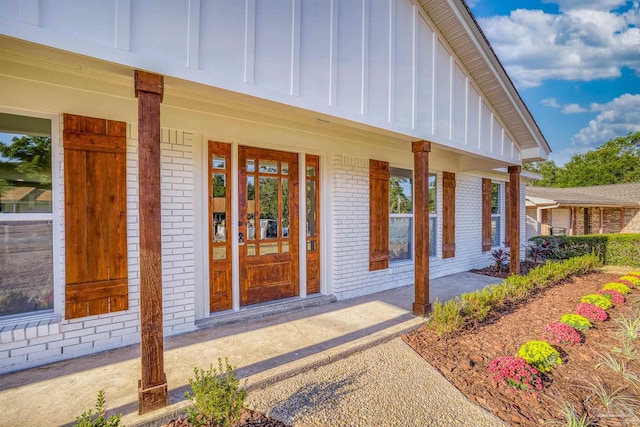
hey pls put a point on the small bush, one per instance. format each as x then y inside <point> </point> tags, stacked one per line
<point>591,312</point>
<point>216,396</point>
<point>446,318</point>
<point>620,287</point>
<point>540,355</point>
<point>515,373</point>
<point>98,419</point>
<point>576,321</point>
<point>615,296</point>
<point>477,305</point>
<point>558,333</point>
<point>597,300</point>
<point>635,281</point>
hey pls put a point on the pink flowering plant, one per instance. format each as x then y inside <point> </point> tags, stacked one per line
<point>591,312</point>
<point>633,281</point>
<point>615,296</point>
<point>558,333</point>
<point>599,300</point>
<point>516,374</point>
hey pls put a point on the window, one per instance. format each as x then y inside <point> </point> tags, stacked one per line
<point>433,215</point>
<point>495,215</point>
<point>400,215</point>
<point>26,215</point>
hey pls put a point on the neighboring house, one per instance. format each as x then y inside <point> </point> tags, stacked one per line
<point>197,124</point>
<point>598,209</point>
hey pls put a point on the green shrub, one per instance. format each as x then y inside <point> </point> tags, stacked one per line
<point>516,288</point>
<point>576,321</point>
<point>98,419</point>
<point>540,355</point>
<point>446,318</point>
<point>613,249</point>
<point>216,396</point>
<point>597,300</point>
<point>477,305</point>
<point>620,287</point>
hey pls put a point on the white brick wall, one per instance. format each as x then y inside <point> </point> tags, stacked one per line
<point>47,338</point>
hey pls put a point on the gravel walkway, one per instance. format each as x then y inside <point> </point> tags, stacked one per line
<point>386,385</point>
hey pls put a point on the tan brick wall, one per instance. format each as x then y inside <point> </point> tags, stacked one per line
<point>612,220</point>
<point>631,220</point>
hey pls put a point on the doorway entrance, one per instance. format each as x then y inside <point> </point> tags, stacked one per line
<point>268,224</point>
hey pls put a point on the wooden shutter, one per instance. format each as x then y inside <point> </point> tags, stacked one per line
<point>486,214</point>
<point>378,215</point>
<point>95,216</point>
<point>448,215</point>
<point>507,218</point>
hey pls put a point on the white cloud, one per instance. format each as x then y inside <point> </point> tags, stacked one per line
<point>550,102</point>
<point>618,117</point>
<point>573,109</point>
<point>472,3</point>
<point>579,44</point>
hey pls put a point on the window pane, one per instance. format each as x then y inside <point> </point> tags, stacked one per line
<point>268,208</point>
<point>433,231</point>
<point>26,267</point>
<point>251,165</point>
<point>311,209</point>
<point>285,207</point>
<point>400,195</point>
<point>311,171</point>
<point>219,252</point>
<point>495,198</point>
<point>268,248</point>
<point>25,168</point>
<point>400,234</point>
<point>268,166</point>
<point>432,194</point>
<point>251,208</point>
<point>285,168</point>
<point>495,230</point>
<point>219,162</point>
<point>311,246</point>
<point>219,207</point>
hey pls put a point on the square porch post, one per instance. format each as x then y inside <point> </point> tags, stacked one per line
<point>514,218</point>
<point>152,388</point>
<point>421,149</point>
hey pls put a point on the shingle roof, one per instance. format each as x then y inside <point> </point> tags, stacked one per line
<point>627,194</point>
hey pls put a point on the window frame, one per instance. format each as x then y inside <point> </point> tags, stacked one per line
<point>54,217</point>
<point>407,174</point>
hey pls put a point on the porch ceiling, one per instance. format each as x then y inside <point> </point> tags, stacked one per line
<point>455,22</point>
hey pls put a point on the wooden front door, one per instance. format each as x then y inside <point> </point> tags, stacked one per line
<point>268,224</point>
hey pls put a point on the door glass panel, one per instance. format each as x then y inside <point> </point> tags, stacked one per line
<point>251,165</point>
<point>219,207</point>
<point>251,208</point>
<point>220,252</point>
<point>285,247</point>
<point>311,246</point>
<point>268,166</point>
<point>285,168</point>
<point>311,171</point>
<point>268,208</point>
<point>251,249</point>
<point>311,209</point>
<point>268,248</point>
<point>285,207</point>
<point>219,162</point>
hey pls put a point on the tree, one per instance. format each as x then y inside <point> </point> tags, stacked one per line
<point>33,156</point>
<point>399,202</point>
<point>616,161</point>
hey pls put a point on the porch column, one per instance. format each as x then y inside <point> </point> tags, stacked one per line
<point>514,218</point>
<point>152,388</point>
<point>421,149</point>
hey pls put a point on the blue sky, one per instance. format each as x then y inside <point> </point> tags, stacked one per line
<point>576,64</point>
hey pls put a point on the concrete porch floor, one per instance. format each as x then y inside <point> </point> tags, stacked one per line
<point>264,350</point>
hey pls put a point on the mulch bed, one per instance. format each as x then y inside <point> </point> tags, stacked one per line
<point>525,266</point>
<point>463,359</point>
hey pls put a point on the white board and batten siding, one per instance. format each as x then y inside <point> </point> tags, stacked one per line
<point>370,61</point>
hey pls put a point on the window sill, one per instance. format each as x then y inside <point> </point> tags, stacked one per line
<point>29,327</point>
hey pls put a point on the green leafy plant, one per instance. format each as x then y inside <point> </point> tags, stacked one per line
<point>634,280</point>
<point>216,395</point>
<point>627,349</point>
<point>628,328</point>
<point>515,373</point>
<point>597,300</point>
<point>501,259</point>
<point>445,318</point>
<point>609,361</point>
<point>610,398</point>
<point>98,418</point>
<point>570,416</point>
<point>576,321</point>
<point>540,355</point>
<point>620,287</point>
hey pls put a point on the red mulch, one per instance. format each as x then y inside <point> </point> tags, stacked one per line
<point>463,359</point>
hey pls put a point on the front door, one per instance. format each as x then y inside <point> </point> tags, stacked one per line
<point>268,224</point>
